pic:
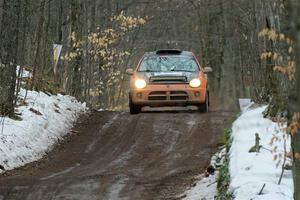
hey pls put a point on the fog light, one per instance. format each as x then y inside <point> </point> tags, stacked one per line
<point>197,94</point>
<point>139,95</point>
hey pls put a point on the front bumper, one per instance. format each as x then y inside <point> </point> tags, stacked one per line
<point>168,95</point>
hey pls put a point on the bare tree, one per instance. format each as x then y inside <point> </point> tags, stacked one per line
<point>8,55</point>
<point>294,99</point>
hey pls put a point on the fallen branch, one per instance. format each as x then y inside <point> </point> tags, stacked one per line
<point>283,164</point>
<point>266,149</point>
<point>211,183</point>
<point>262,189</point>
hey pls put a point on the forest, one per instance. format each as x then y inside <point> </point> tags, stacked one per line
<point>82,48</point>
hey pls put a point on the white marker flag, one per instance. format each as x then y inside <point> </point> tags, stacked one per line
<point>56,54</point>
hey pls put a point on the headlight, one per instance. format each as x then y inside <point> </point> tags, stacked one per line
<point>194,83</point>
<point>140,84</point>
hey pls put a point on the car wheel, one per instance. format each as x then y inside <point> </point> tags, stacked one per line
<point>203,108</point>
<point>133,108</point>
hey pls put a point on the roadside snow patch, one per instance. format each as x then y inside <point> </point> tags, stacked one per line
<point>45,120</point>
<point>250,171</point>
<point>205,189</point>
<point>206,186</point>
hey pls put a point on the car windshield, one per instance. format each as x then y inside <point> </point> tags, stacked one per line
<point>168,64</point>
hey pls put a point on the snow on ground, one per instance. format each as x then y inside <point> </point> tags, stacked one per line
<point>45,120</point>
<point>23,73</point>
<point>250,171</point>
<point>205,189</point>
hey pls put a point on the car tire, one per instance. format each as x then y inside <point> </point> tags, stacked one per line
<point>203,108</point>
<point>133,108</point>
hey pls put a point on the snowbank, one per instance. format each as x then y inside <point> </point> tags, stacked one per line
<point>250,171</point>
<point>45,120</point>
<point>205,189</point>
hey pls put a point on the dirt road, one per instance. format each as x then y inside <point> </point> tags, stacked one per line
<point>113,155</point>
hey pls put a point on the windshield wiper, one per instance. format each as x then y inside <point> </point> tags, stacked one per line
<point>148,70</point>
<point>181,70</point>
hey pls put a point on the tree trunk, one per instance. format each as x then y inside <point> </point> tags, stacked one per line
<point>8,56</point>
<point>294,99</point>
<point>36,76</point>
<point>76,88</point>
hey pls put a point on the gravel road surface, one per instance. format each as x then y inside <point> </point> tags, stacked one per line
<point>114,155</point>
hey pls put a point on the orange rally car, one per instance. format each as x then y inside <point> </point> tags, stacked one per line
<point>168,78</point>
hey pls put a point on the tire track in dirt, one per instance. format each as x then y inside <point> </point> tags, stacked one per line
<point>153,155</point>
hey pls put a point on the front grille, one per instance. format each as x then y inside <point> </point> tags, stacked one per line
<point>178,95</point>
<point>172,95</point>
<point>158,93</point>
<point>168,79</point>
<point>157,96</point>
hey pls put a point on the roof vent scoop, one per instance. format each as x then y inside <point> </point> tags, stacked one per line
<point>168,52</point>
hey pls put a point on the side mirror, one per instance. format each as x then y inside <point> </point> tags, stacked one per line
<point>129,72</point>
<point>207,70</point>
